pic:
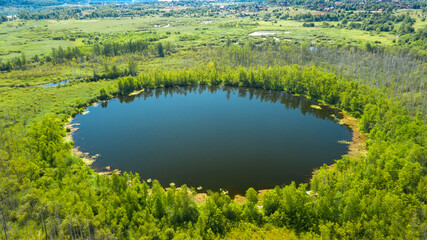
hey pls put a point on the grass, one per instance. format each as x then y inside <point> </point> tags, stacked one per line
<point>36,37</point>
<point>34,103</point>
<point>29,37</point>
<point>317,33</point>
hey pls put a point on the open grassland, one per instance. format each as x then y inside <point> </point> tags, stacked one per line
<point>26,105</point>
<point>29,37</point>
<point>37,37</point>
<point>295,31</point>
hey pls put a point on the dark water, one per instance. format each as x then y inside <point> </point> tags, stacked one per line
<point>229,138</point>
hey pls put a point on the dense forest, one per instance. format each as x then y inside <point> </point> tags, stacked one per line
<point>381,195</point>
<point>354,5</point>
<point>400,75</point>
<point>380,22</point>
<point>374,71</point>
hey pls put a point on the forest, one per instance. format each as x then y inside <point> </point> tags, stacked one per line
<point>389,182</point>
<point>352,62</point>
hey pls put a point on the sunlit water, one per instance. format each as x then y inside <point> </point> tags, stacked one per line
<point>54,84</point>
<point>229,138</point>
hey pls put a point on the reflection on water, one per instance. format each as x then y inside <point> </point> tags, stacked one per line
<point>289,101</point>
<point>214,137</point>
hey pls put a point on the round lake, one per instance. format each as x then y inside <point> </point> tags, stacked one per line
<point>217,138</point>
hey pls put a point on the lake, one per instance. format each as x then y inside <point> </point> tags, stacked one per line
<point>213,137</point>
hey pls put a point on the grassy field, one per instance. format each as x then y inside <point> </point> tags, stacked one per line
<point>184,33</point>
<point>36,37</point>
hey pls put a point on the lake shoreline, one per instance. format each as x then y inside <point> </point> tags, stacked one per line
<point>358,144</point>
<point>355,148</point>
<point>85,156</point>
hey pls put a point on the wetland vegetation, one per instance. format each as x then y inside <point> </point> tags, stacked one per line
<point>365,59</point>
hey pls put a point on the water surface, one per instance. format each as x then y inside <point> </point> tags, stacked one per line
<point>229,138</point>
<point>54,84</point>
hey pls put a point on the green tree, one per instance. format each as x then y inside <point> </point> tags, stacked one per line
<point>3,18</point>
<point>160,50</point>
<point>103,95</point>
<point>132,69</point>
<point>250,209</point>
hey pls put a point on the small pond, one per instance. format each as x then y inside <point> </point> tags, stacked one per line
<point>54,84</point>
<point>213,137</point>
